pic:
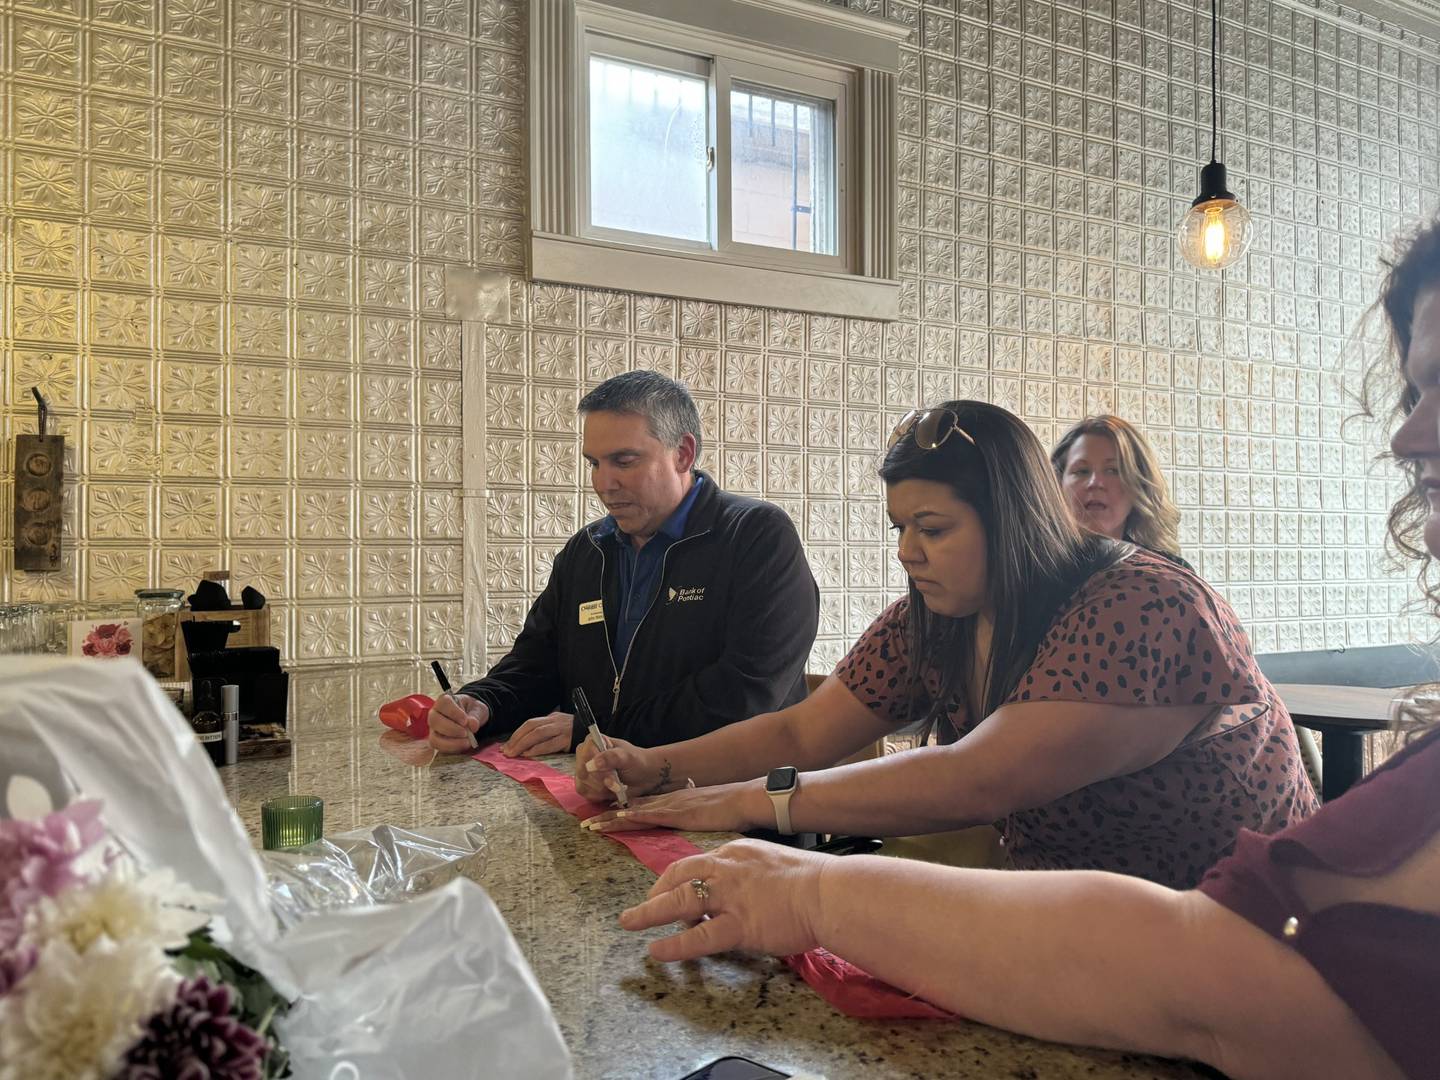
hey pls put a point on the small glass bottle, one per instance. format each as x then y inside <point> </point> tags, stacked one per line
<point>159,609</point>
<point>210,730</point>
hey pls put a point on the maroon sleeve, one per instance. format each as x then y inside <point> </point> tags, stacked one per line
<point>1381,959</point>
<point>877,667</point>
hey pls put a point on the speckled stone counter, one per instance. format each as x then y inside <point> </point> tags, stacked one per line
<point>561,889</point>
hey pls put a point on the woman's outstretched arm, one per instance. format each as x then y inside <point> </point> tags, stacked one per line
<point>1071,956</point>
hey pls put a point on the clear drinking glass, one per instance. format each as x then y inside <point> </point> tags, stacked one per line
<point>9,620</point>
<point>32,623</point>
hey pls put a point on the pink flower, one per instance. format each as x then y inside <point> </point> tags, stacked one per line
<point>37,860</point>
<point>108,639</point>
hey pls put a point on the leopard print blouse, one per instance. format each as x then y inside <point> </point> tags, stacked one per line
<point>1142,632</point>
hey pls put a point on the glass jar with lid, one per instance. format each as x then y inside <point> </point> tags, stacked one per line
<point>159,608</point>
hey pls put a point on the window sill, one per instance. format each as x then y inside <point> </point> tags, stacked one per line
<point>596,264</point>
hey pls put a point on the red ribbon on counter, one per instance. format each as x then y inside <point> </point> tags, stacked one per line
<point>656,848</point>
<point>849,989</point>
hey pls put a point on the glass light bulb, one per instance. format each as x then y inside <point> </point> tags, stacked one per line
<point>1214,234</point>
<point>1216,241</point>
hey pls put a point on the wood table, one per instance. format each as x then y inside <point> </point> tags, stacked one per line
<point>1343,715</point>
<point>561,889</point>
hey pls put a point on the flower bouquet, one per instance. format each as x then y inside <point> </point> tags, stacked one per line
<point>111,965</point>
<point>106,972</point>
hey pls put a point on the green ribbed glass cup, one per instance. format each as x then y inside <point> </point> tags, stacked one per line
<point>291,821</point>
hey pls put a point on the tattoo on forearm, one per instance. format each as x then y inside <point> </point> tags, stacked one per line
<point>664,784</point>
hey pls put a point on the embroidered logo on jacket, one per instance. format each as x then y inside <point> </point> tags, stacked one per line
<point>685,595</point>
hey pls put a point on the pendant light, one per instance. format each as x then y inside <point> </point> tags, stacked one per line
<point>1215,231</point>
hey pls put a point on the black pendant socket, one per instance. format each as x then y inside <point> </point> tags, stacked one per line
<point>1213,184</point>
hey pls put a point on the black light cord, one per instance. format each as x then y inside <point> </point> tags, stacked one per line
<point>1214,81</point>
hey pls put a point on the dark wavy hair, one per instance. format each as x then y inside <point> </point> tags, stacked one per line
<point>1036,554</point>
<point>1414,269</point>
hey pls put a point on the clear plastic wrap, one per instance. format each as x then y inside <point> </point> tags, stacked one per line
<point>379,864</point>
<point>391,991</point>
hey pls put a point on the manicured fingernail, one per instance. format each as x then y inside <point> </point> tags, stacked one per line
<point>622,813</point>
<point>590,766</point>
<point>474,742</point>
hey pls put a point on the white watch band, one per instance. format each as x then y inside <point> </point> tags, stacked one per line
<point>781,801</point>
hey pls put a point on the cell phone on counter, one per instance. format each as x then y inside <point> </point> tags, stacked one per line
<point>735,1068</point>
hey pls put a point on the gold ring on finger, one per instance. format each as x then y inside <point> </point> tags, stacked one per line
<point>702,891</point>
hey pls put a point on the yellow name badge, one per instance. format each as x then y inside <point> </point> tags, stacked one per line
<point>593,611</point>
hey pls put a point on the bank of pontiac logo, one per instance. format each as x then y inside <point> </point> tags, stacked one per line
<point>686,595</point>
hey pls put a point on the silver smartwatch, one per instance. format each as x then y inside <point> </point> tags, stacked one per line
<point>780,785</point>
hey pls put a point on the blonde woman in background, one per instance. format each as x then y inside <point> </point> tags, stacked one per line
<point>1114,485</point>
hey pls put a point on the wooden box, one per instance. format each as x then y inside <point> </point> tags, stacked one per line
<point>254,630</point>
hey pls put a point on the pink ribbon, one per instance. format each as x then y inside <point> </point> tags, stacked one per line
<point>656,848</point>
<point>849,989</point>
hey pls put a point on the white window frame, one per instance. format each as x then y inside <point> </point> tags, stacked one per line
<point>818,86</point>
<point>802,47</point>
<point>652,56</point>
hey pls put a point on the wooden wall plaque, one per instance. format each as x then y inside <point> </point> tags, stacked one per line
<point>39,474</point>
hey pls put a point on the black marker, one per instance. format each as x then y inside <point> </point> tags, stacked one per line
<point>582,707</point>
<point>445,689</point>
<point>440,676</point>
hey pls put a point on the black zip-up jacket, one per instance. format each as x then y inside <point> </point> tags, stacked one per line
<point>726,635</point>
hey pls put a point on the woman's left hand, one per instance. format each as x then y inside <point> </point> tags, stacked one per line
<point>721,808</point>
<point>751,895</point>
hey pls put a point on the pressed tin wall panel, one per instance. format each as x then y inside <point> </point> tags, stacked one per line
<point>226,229</point>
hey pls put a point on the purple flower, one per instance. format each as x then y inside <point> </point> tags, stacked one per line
<point>15,964</point>
<point>196,1038</point>
<point>37,859</point>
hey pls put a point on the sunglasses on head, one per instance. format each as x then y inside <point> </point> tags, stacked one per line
<point>930,428</point>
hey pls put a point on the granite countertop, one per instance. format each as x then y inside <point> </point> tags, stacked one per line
<point>561,889</point>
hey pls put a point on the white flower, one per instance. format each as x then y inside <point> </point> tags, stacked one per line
<point>154,910</point>
<point>76,1015</point>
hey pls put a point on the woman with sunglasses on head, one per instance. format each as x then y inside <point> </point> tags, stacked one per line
<point>1099,699</point>
<point>1314,952</point>
<point>1114,485</point>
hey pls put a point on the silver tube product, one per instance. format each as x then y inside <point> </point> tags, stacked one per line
<point>230,715</point>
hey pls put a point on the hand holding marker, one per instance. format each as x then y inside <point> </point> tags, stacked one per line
<point>444,682</point>
<point>582,710</point>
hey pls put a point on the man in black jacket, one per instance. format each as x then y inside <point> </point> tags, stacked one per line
<point>687,608</point>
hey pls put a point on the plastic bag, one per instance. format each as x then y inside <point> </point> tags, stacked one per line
<point>380,864</point>
<point>395,992</point>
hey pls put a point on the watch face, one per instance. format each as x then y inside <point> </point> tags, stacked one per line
<point>781,779</point>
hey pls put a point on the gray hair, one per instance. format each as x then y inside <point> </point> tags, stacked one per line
<point>665,404</point>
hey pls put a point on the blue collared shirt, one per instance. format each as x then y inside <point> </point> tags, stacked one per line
<point>640,570</point>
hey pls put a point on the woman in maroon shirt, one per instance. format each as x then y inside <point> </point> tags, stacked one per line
<point>1314,952</point>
